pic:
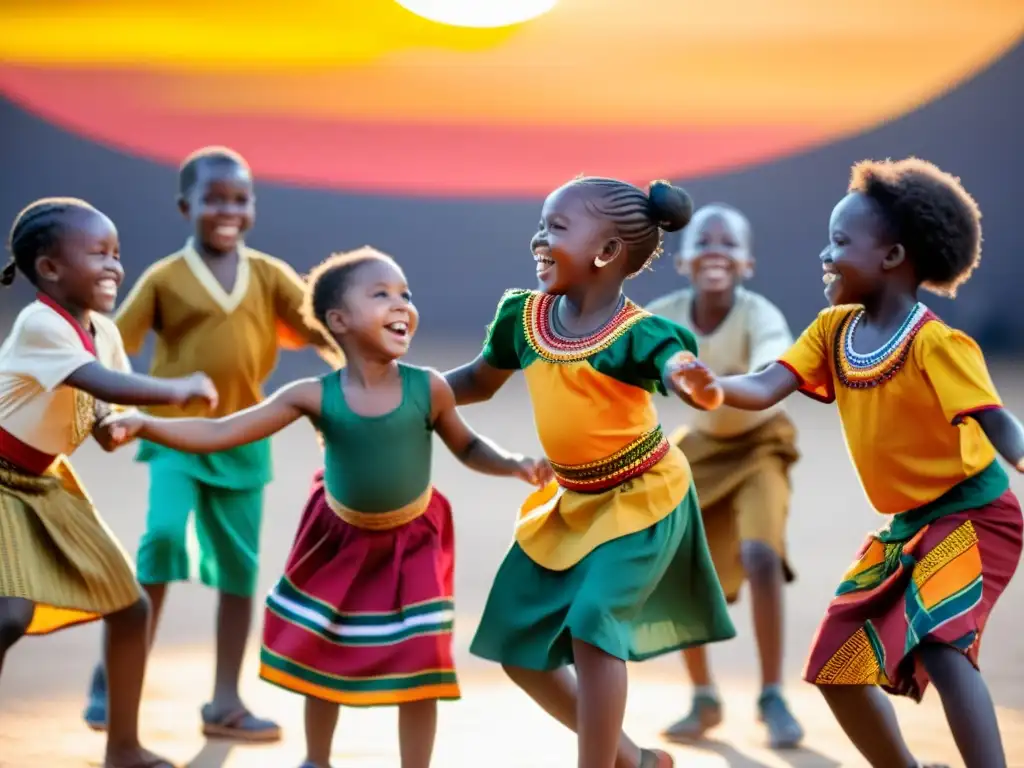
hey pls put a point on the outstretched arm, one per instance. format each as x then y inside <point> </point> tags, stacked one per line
<point>476,382</point>
<point>301,398</point>
<point>694,381</point>
<point>1005,432</point>
<point>476,452</point>
<point>117,388</point>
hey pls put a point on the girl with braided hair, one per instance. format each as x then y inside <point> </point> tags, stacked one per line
<point>610,562</point>
<point>61,361</point>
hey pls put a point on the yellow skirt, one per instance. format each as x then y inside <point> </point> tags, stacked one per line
<point>56,551</point>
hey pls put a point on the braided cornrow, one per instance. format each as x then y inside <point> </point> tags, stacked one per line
<point>35,230</point>
<point>640,217</point>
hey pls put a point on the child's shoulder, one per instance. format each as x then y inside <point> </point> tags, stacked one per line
<point>935,333</point>
<point>671,304</point>
<point>829,318</point>
<point>165,268</point>
<point>659,327</point>
<point>259,260</point>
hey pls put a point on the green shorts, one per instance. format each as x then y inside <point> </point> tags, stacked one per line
<point>228,525</point>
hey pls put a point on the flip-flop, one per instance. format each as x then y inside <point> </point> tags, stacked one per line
<point>241,725</point>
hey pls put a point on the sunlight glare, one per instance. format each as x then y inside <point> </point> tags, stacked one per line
<point>478,13</point>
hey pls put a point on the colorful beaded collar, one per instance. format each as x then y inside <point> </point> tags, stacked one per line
<point>546,341</point>
<point>859,371</point>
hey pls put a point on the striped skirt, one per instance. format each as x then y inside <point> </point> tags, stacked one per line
<point>364,618</point>
<point>56,551</point>
<point>937,587</point>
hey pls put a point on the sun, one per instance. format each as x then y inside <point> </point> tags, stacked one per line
<point>479,13</point>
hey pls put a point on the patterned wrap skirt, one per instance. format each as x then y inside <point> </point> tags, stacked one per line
<point>364,618</point>
<point>939,586</point>
<point>57,552</point>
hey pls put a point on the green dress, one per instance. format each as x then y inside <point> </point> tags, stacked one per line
<point>613,554</point>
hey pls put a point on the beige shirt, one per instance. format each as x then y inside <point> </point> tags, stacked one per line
<point>42,350</point>
<point>753,335</point>
<point>233,337</point>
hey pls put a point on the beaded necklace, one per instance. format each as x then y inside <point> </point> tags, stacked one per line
<point>864,371</point>
<point>545,340</point>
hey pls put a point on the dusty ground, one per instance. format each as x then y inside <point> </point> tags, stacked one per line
<point>494,725</point>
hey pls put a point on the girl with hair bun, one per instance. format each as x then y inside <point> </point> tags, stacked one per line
<point>610,562</point>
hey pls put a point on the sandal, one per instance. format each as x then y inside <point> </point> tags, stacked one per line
<point>153,761</point>
<point>656,758</point>
<point>241,724</point>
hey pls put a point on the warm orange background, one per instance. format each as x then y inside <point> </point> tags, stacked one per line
<point>364,95</point>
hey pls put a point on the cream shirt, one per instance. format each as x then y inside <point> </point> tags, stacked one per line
<point>753,335</point>
<point>41,351</point>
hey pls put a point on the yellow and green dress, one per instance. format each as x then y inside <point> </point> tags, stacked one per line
<point>55,550</point>
<point>233,337</point>
<point>953,538</point>
<point>613,553</point>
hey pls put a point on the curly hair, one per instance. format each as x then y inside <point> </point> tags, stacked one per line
<point>639,217</point>
<point>188,172</point>
<point>36,230</point>
<point>329,280</point>
<point>929,213</point>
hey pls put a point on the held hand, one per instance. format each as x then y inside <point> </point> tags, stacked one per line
<point>102,432</point>
<point>1020,466</point>
<point>691,378</point>
<point>197,388</point>
<point>536,472</point>
<point>118,429</point>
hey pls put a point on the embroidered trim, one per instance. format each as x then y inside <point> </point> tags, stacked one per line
<point>858,371</point>
<point>544,340</point>
<point>380,521</point>
<point>595,476</point>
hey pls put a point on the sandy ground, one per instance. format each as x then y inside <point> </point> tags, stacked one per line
<point>495,725</point>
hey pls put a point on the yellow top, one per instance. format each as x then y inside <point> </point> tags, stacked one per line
<point>592,403</point>
<point>903,407</point>
<point>233,337</point>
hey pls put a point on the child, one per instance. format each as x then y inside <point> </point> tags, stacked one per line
<point>61,566</point>
<point>610,564</point>
<point>363,615</point>
<point>740,459</point>
<point>923,424</point>
<point>219,307</point>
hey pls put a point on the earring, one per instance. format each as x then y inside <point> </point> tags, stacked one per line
<point>601,263</point>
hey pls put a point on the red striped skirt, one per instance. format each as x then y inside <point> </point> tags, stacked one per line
<point>364,618</point>
<point>938,587</point>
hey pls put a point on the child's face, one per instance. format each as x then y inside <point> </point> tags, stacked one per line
<point>715,254</point>
<point>85,263</point>
<point>221,206</point>
<point>855,260</point>
<point>568,240</point>
<point>377,310</point>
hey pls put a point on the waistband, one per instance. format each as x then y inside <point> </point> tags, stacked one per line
<point>22,457</point>
<point>380,521</point>
<point>605,474</point>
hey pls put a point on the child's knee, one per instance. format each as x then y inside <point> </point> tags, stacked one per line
<point>134,617</point>
<point>760,561</point>
<point>15,618</point>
